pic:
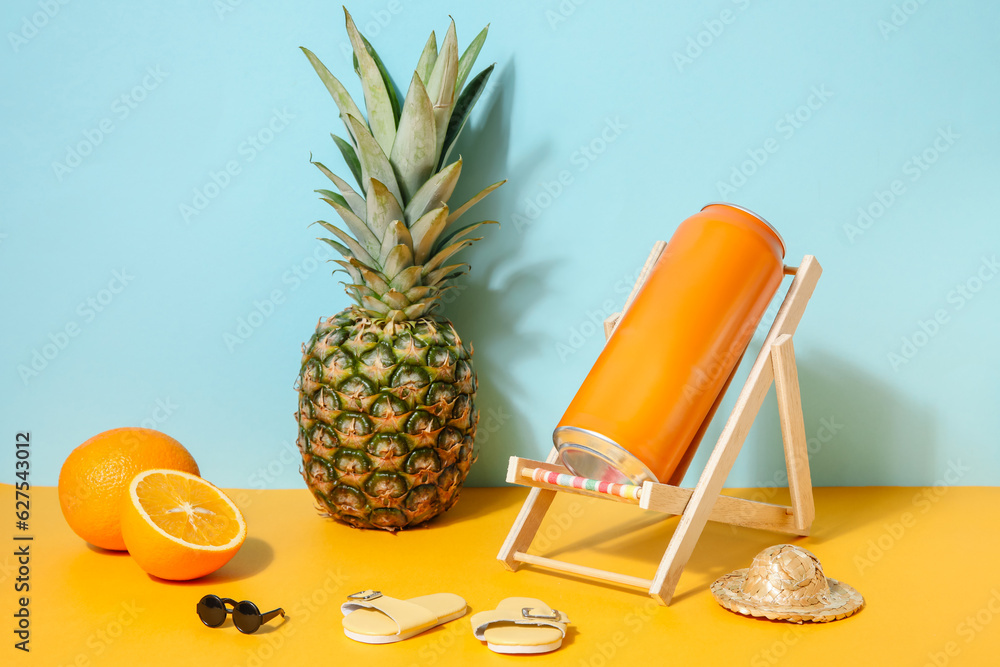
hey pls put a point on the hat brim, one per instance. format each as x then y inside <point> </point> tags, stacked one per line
<point>842,602</point>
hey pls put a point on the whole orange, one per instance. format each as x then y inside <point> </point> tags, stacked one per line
<point>95,477</point>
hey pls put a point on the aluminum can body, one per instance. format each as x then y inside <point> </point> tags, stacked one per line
<point>657,378</point>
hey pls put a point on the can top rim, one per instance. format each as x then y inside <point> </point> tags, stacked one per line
<point>600,453</point>
<point>746,210</point>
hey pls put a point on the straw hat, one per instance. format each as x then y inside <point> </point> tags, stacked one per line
<point>786,583</point>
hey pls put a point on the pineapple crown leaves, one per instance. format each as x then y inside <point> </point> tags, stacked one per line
<point>400,231</point>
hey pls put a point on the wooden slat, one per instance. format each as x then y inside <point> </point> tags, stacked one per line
<point>522,532</point>
<point>727,509</point>
<point>727,448</point>
<point>583,570</point>
<point>793,432</point>
<point>647,268</point>
<point>794,306</point>
<point>611,323</point>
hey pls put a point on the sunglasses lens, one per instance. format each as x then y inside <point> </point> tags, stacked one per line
<point>246,617</point>
<point>211,611</point>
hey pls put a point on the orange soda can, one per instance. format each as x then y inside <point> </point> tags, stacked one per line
<point>642,405</point>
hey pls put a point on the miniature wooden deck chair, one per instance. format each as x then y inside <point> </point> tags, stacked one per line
<point>776,361</point>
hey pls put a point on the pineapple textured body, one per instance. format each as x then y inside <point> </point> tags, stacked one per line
<point>387,419</point>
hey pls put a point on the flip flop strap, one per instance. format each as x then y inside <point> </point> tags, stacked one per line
<point>484,619</point>
<point>404,614</point>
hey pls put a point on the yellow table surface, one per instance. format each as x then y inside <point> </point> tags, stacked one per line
<point>926,561</point>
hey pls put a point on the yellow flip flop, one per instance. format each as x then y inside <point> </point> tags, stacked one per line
<point>520,625</point>
<point>373,618</point>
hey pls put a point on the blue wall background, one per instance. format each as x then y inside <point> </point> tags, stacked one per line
<point>867,132</point>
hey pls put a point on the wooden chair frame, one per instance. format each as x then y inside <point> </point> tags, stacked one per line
<point>775,362</point>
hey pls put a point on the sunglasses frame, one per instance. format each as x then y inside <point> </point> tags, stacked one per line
<point>241,612</point>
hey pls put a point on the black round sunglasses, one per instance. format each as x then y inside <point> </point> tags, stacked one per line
<point>212,610</point>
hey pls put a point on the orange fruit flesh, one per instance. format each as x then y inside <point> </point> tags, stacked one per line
<point>178,526</point>
<point>190,511</point>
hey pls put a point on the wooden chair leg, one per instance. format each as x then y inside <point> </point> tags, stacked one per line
<point>793,432</point>
<point>528,520</point>
<point>710,484</point>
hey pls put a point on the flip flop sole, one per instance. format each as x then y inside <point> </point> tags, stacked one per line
<point>390,639</point>
<point>523,649</point>
<point>504,637</point>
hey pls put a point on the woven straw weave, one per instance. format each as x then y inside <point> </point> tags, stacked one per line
<point>786,583</point>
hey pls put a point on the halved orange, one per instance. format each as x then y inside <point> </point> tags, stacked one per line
<point>178,526</point>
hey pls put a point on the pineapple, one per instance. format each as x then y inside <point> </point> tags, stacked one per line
<point>386,415</point>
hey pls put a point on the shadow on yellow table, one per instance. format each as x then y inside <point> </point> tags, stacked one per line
<point>925,560</point>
